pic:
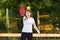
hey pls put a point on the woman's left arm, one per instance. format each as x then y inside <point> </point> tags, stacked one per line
<point>35,27</point>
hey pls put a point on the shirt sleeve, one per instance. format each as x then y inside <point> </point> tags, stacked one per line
<point>23,19</point>
<point>33,21</point>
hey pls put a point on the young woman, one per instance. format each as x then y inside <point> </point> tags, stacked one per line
<point>28,21</point>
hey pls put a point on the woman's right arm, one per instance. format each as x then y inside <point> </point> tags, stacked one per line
<point>24,18</point>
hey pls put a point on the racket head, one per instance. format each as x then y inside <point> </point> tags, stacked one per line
<point>22,10</point>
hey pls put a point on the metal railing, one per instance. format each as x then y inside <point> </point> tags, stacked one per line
<point>34,35</point>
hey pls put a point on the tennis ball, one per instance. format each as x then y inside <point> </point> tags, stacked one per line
<point>28,8</point>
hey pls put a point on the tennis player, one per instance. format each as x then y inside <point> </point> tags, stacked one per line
<point>27,31</point>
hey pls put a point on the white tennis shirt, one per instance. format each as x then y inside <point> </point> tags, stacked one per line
<point>27,25</point>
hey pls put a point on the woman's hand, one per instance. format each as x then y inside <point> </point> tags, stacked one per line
<point>38,33</point>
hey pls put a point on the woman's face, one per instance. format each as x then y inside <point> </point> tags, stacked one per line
<point>28,14</point>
